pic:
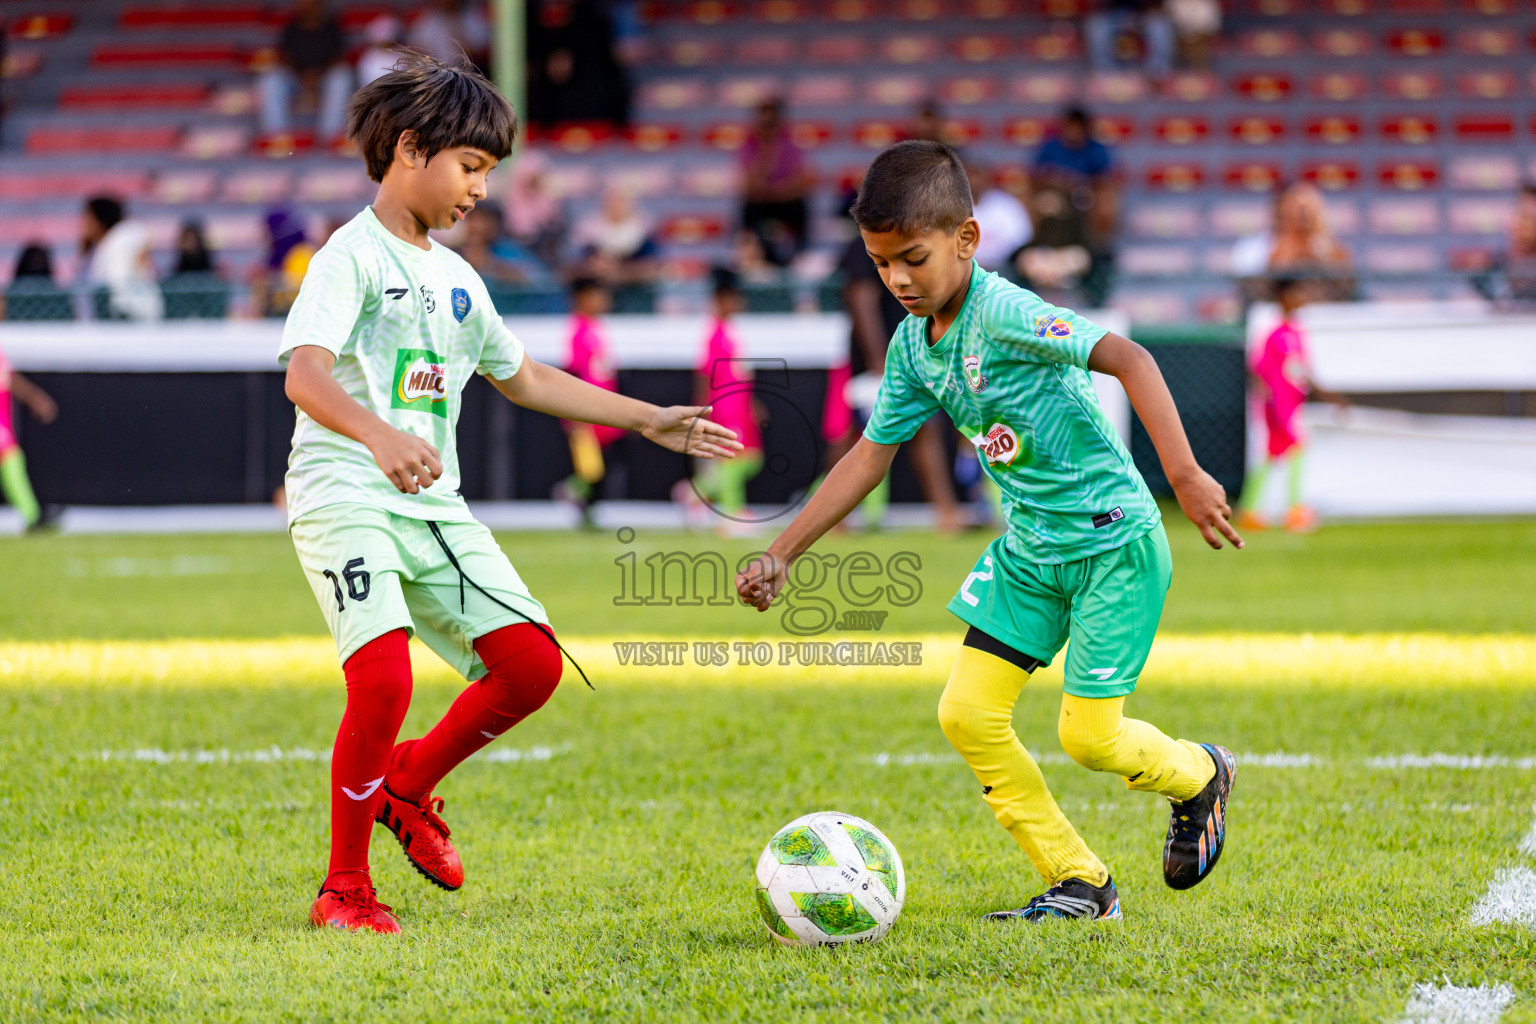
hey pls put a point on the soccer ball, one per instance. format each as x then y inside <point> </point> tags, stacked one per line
<point>829,878</point>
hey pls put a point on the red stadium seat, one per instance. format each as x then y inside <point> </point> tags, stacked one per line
<point>210,16</point>
<point>1256,131</point>
<point>692,229</point>
<point>961,132</point>
<point>1345,8</point>
<point>1488,84</point>
<point>1192,87</point>
<point>1276,8</point>
<point>920,10</point>
<point>95,97</point>
<point>994,10</point>
<point>580,137</point>
<point>1411,85</point>
<point>64,184</point>
<point>1339,86</point>
<point>1182,131</point>
<point>141,139</point>
<point>1025,131</point>
<point>1413,130</point>
<point>1252,175</point>
<point>768,50</point>
<point>846,50</point>
<point>877,134</point>
<point>1342,42</point>
<point>1332,175</point>
<point>982,49</point>
<point>730,136</point>
<point>968,91</point>
<point>1482,41</point>
<point>696,53</point>
<point>897,90</point>
<point>40,26</point>
<point>1175,177</point>
<point>1058,43</point>
<point>200,55</point>
<point>910,49</point>
<point>811,134</point>
<point>821,91</point>
<point>781,12</point>
<point>1117,87</point>
<point>1415,42</point>
<point>1489,8</point>
<point>1064,10</point>
<point>1264,88</point>
<point>1269,42</point>
<point>1485,128</point>
<point>21,64</point>
<point>654,138</point>
<point>1333,131</point>
<point>709,12</point>
<point>1418,6</point>
<point>1112,131</point>
<point>1044,90</point>
<point>851,11</point>
<point>1407,175</point>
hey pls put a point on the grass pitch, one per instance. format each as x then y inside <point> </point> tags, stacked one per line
<point>170,704</point>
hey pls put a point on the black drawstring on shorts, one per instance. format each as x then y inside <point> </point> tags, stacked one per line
<point>464,578</point>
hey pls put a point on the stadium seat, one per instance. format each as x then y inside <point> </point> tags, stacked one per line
<point>711,181</point>
<point>982,49</point>
<point>1025,131</point>
<point>811,135</point>
<point>1415,42</point>
<point>1253,175</point>
<point>335,184</point>
<point>211,16</point>
<point>1482,41</point>
<point>1043,89</point>
<point>1182,131</point>
<point>1116,87</point>
<point>728,136</point>
<point>909,49</point>
<point>176,188</point>
<point>1333,131</point>
<point>40,26</point>
<point>1411,130</point>
<point>1256,131</point>
<point>967,91</point>
<point>1192,87</point>
<point>841,50</point>
<point>1341,8</point>
<point>1331,175</point>
<point>1269,43</point>
<point>1057,44</point>
<point>768,51</point>
<point>877,134</point>
<point>122,55</point>
<point>1175,177</point>
<point>646,181</point>
<point>1481,216</point>
<point>671,94</point>
<point>1339,86</point>
<point>215,142</point>
<point>747,91</point>
<point>1407,175</point>
<point>694,53</point>
<point>1399,258</point>
<point>1342,42</point>
<point>1264,88</point>
<point>257,186</point>
<point>1233,218</point>
<point>572,179</point>
<point>1485,128</point>
<point>1488,84</point>
<point>1152,219</point>
<point>31,185</point>
<point>582,137</point>
<point>1411,85</point>
<point>1486,172</point>
<point>1395,216</point>
<point>148,138</point>
<point>1490,8</point>
<point>821,91</point>
<point>1155,260</point>
<point>152,96</point>
<point>692,229</point>
<point>896,90</point>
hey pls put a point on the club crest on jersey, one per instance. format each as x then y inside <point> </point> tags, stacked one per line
<point>427,299</point>
<point>974,378</point>
<point>421,381</point>
<point>1052,327</point>
<point>458,299</point>
<point>998,443</point>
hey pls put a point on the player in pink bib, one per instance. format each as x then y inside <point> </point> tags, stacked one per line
<point>14,482</point>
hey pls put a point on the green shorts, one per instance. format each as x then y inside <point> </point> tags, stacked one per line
<point>373,571</point>
<point>1107,605</point>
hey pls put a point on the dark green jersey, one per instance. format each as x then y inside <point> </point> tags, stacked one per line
<point>1012,373</point>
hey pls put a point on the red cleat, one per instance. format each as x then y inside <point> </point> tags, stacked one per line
<point>424,838</point>
<point>353,907</point>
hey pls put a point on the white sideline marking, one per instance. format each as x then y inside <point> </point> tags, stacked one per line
<point>1281,759</point>
<point>1451,761</point>
<point>272,755</point>
<point>1510,899</point>
<point>1452,1004</point>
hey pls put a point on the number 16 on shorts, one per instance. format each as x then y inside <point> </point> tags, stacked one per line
<point>358,581</point>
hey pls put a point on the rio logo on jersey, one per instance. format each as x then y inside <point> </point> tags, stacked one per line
<point>1052,327</point>
<point>420,381</point>
<point>999,444</point>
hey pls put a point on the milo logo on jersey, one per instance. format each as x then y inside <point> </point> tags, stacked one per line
<point>1052,327</point>
<point>998,443</point>
<point>420,381</point>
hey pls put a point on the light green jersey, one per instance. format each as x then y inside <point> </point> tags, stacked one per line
<point>408,327</point>
<point>1012,373</point>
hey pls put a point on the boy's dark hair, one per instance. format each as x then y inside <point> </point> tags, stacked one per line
<point>723,281</point>
<point>107,210</point>
<point>913,187</point>
<point>446,103</point>
<point>1075,115</point>
<point>587,283</point>
<point>35,261</point>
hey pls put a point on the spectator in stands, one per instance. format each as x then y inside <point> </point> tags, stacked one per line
<point>118,262</point>
<point>535,215</point>
<point>445,26</point>
<point>1005,223</point>
<point>1083,168</point>
<point>33,294</point>
<point>192,253</point>
<point>614,244</point>
<point>776,184</point>
<point>1520,255</point>
<point>383,38</point>
<point>276,282</point>
<point>573,72</point>
<point>312,59</point>
<point>1197,23</point>
<point>496,257</point>
<point>1305,247</point>
<point>1058,262</point>
<point>1117,19</point>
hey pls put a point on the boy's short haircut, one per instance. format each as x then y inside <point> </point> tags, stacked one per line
<point>446,103</point>
<point>587,283</point>
<point>108,210</point>
<point>913,187</point>
<point>724,281</point>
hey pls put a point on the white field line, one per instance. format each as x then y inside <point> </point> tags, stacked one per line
<point>273,755</point>
<point>1510,899</point>
<point>1277,759</point>
<point>1451,1004</point>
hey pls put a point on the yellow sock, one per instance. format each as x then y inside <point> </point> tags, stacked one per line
<point>1096,735</point>
<point>976,713</point>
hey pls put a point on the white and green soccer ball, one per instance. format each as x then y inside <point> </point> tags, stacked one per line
<point>829,878</point>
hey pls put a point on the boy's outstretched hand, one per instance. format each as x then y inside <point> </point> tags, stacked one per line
<point>682,428</point>
<point>1204,501</point>
<point>760,582</point>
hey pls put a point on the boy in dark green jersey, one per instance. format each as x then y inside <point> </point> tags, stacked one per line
<point>1084,556</point>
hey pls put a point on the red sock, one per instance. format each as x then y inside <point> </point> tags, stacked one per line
<point>524,669</point>
<point>378,694</point>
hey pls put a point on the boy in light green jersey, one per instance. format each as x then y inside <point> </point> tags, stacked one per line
<point>386,331</point>
<point>1084,557</point>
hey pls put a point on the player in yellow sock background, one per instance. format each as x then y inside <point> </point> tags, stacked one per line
<point>1084,558</point>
